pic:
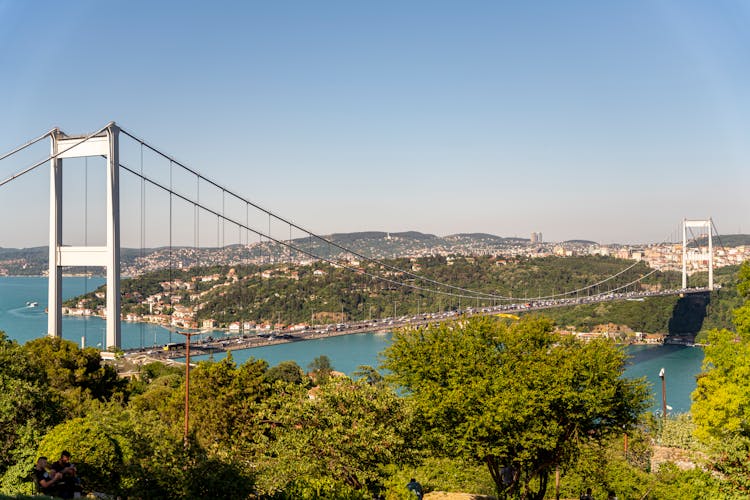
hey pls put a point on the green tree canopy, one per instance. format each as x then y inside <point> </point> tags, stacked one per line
<point>27,409</point>
<point>721,400</point>
<point>77,373</point>
<point>287,371</point>
<point>97,455</point>
<point>345,432</point>
<point>320,368</point>
<point>223,398</point>
<point>515,396</point>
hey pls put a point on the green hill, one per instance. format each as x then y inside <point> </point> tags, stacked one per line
<point>322,293</point>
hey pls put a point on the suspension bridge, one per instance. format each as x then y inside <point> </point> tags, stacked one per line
<point>198,211</point>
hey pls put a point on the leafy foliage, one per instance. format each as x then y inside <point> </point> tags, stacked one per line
<point>515,396</point>
<point>320,369</point>
<point>287,371</point>
<point>721,401</point>
<point>27,410</point>
<point>223,403</point>
<point>97,455</point>
<point>77,373</point>
<point>347,432</point>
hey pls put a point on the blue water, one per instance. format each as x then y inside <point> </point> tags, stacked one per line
<point>681,365</point>
<point>23,323</point>
<point>346,352</point>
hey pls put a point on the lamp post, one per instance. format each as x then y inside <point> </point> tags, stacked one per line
<point>663,394</point>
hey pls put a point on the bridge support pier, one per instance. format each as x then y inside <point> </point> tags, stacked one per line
<point>708,224</point>
<point>104,144</point>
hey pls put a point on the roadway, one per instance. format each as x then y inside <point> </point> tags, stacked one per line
<point>249,341</point>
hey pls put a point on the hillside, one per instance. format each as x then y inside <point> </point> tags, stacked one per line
<point>373,244</point>
<point>320,293</point>
<point>726,240</point>
<point>673,315</point>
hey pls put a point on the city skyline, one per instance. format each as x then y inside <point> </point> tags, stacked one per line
<point>579,121</point>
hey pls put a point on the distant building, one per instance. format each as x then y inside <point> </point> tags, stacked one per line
<point>536,238</point>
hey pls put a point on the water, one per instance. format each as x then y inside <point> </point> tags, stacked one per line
<point>23,323</point>
<point>347,353</point>
<point>681,365</point>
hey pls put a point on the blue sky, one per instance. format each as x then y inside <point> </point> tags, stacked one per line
<point>608,121</point>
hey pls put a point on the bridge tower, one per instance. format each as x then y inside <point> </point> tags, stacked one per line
<point>104,144</point>
<point>708,224</point>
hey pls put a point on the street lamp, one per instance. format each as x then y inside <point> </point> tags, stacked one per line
<point>663,394</point>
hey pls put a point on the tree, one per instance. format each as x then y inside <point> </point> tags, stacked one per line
<point>515,396</point>
<point>342,437</point>
<point>98,455</point>
<point>223,398</point>
<point>320,368</point>
<point>76,373</point>
<point>369,375</point>
<point>27,409</point>
<point>721,400</point>
<point>287,371</point>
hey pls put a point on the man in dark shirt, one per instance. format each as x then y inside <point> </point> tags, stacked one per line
<point>415,488</point>
<point>69,483</point>
<point>46,481</point>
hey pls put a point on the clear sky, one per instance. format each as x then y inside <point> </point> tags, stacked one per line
<point>608,121</point>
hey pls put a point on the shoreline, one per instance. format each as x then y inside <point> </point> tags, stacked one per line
<point>237,343</point>
<point>170,352</point>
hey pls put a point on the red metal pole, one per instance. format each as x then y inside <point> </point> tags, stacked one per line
<point>187,383</point>
<point>187,388</point>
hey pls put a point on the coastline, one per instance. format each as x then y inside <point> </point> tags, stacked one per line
<point>242,342</point>
<point>251,341</point>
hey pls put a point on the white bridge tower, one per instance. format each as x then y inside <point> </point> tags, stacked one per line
<point>104,144</point>
<point>708,224</point>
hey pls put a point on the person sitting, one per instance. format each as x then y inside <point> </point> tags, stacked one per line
<point>415,488</point>
<point>47,482</point>
<point>70,484</point>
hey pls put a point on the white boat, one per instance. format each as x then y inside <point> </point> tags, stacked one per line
<point>32,304</point>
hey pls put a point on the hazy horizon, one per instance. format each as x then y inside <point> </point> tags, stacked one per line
<point>629,243</point>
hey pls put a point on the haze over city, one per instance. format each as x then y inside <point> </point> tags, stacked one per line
<point>601,121</point>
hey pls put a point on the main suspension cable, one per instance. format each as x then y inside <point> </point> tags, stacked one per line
<point>52,156</point>
<point>473,293</point>
<point>28,144</point>
<point>293,247</point>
